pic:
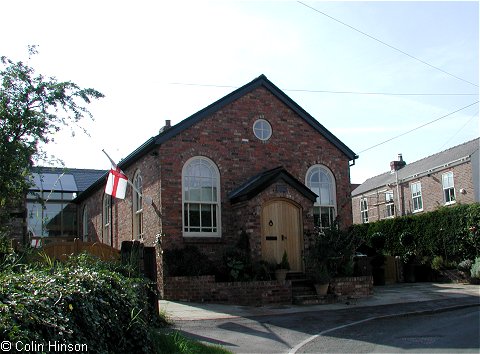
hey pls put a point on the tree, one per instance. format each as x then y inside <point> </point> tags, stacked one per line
<point>32,109</point>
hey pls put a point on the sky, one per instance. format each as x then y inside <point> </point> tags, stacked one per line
<point>367,71</point>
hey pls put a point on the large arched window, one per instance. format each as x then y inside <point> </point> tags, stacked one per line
<point>137,206</point>
<point>321,181</point>
<point>107,219</point>
<point>201,198</point>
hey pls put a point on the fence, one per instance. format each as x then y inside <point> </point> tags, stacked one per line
<point>62,250</point>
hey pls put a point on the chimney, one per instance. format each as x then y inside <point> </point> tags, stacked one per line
<point>168,124</point>
<point>396,165</point>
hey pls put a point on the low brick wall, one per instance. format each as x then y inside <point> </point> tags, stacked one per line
<point>352,286</point>
<point>205,289</point>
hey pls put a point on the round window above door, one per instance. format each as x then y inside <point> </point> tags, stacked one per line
<point>262,129</point>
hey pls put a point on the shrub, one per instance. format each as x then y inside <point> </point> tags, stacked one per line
<point>465,265</point>
<point>451,232</point>
<point>475,270</point>
<point>84,301</point>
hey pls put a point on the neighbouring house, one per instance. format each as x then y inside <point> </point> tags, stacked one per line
<point>253,162</point>
<point>50,213</point>
<point>446,178</point>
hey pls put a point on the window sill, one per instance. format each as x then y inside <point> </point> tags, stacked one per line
<point>203,239</point>
<point>450,203</point>
<point>417,211</point>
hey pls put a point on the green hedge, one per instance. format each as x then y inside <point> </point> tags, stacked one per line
<point>85,302</point>
<point>450,232</point>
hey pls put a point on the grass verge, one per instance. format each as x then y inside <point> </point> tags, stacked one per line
<point>174,343</point>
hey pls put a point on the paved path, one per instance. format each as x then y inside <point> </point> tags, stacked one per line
<point>383,295</point>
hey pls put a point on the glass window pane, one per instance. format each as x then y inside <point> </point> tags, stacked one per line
<point>206,211</point>
<point>194,215</point>
<point>34,219</point>
<point>53,219</point>
<point>69,216</point>
<point>206,194</point>
<point>68,183</point>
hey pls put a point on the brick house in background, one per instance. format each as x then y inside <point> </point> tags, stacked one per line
<point>253,161</point>
<point>445,178</point>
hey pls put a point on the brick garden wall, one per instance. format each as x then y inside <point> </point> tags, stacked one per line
<point>205,289</point>
<point>352,286</point>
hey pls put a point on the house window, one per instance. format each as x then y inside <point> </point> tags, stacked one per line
<point>201,198</point>
<point>51,214</point>
<point>321,181</point>
<point>448,188</point>
<point>364,210</point>
<point>262,129</point>
<point>417,201</point>
<point>107,219</point>
<point>137,206</point>
<point>85,224</point>
<point>389,205</point>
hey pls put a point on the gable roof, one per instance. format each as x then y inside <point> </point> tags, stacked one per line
<point>441,160</point>
<point>260,81</point>
<point>261,181</point>
<point>242,91</point>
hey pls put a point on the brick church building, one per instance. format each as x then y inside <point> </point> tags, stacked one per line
<point>252,162</point>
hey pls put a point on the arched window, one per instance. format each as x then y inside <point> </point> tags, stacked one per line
<point>85,223</point>
<point>321,181</point>
<point>107,219</point>
<point>137,206</point>
<point>201,198</point>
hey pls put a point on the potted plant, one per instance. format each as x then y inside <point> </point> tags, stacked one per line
<point>321,277</point>
<point>282,268</point>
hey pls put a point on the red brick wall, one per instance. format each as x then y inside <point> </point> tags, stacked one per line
<point>221,137</point>
<point>204,289</point>
<point>352,286</point>
<point>294,144</point>
<point>122,210</point>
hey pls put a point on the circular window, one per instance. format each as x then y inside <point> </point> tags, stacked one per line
<point>262,129</point>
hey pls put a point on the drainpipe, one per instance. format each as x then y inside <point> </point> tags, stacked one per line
<point>400,213</point>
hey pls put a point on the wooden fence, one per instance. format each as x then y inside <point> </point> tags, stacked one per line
<point>62,250</point>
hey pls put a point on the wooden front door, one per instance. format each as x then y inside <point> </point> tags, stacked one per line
<point>281,231</point>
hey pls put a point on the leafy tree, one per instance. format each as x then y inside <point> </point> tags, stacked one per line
<point>32,109</point>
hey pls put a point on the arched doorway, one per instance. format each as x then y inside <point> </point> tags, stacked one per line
<point>282,231</point>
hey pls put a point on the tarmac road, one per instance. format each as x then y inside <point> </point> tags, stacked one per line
<point>288,329</point>
<point>453,331</point>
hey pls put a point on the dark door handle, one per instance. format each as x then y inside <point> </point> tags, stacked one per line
<point>284,237</point>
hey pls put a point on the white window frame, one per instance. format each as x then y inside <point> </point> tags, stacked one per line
<point>137,205</point>
<point>320,207</point>
<point>417,198</point>
<point>259,132</point>
<point>187,201</point>
<point>364,210</point>
<point>449,196</point>
<point>107,219</point>
<point>389,204</point>
<point>85,223</point>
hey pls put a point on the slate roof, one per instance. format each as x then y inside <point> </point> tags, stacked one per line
<point>81,178</point>
<point>260,81</point>
<point>420,167</point>
<point>261,181</point>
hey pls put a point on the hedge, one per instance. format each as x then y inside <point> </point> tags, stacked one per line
<point>451,232</point>
<point>85,302</point>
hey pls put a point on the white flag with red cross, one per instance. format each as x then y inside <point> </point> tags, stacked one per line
<point>116,182</point>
